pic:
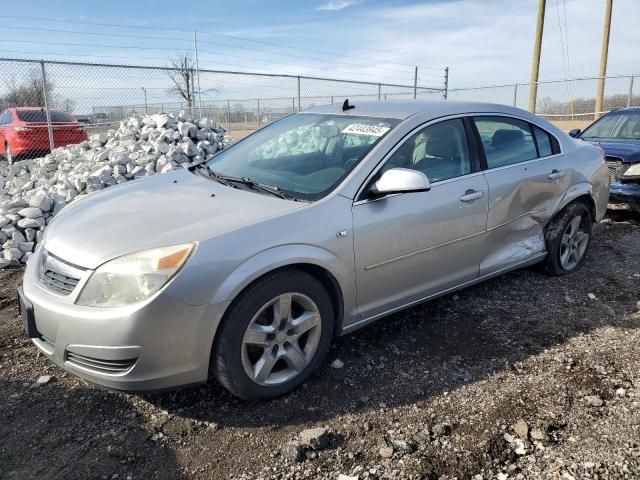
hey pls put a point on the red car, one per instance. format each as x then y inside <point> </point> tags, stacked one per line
<point>24,132</point>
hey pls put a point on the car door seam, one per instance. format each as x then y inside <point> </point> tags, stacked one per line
<point>530,212</point>
<point>422,250</point>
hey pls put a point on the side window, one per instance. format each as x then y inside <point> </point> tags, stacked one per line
<point>545,144</point>
<point>440,151</point>
<point>4,118</point>
<point>505,140</point>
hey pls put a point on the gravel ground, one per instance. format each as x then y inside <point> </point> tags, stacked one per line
<point>524,376</point>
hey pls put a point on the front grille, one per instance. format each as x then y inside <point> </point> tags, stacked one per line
<point>99,365</point>
<point>613,165</point>
<point>57,275</point>
<point>59,283</point>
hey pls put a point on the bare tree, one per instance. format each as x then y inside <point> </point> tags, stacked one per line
<point>68,105</point>
<point>29,93</point>
<point>181,73</point>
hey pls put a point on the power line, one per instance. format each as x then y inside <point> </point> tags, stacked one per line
<point>148,37</point>
<point>136,47</point>
<point>147,27</point>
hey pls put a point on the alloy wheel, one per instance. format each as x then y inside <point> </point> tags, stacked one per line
<point>281,339</point>
<point>574,243</point>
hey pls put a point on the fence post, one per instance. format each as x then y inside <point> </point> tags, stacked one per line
<point>46,105</point>
<point>445,93</point>
<point>258,113</point>
<point>630,98</point>
<point>331,99</point>
<point>379,91</point>
<point>515,95</point>
<point>293,104</point>
<point>229,115</point>
<point>415,82</point>
<point>298,95</point>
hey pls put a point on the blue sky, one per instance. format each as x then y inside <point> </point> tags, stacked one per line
<point>483,42</point>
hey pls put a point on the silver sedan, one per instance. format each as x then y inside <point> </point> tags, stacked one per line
<point>244,267</point>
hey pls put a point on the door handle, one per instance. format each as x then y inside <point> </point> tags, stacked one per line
<point>555,175</point>
<point>471,196</point>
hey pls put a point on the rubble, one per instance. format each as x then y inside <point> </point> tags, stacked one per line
<point>36,190</point>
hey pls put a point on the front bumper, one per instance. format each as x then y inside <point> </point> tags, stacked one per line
<point>625,192</point>
<point>158,344</point>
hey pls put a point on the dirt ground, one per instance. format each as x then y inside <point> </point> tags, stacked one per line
<point>524,376</point>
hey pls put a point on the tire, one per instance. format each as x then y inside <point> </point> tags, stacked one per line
<point>560,243</point>
<point>252,335</point>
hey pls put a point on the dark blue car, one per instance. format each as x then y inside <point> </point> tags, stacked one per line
<point>618,133</point>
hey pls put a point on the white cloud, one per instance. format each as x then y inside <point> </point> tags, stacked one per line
<point>337,5</point>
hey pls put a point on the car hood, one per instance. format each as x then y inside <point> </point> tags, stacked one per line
<point>628,152</point>
<point>165,209</point>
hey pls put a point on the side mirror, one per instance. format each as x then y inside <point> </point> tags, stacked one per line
<point>401,180</point>
<point>575,132</point>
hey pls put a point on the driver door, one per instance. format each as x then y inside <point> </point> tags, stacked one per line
<point>412,245</point>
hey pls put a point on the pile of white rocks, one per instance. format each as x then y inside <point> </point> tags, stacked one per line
<point>33,191</point>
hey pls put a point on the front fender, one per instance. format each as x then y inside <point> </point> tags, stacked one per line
<point>285,255</point>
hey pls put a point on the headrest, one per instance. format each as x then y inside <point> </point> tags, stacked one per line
<point>441,146</point>
<point>507,136</point>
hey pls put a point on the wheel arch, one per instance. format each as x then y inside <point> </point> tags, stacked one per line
<point>581,193</point>
<point>321,264</point>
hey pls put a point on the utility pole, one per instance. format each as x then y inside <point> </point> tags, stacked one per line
<point>535,64</point>
<point>146,109</point>
<point>603,57</point>
<point>195,47</point>
<point>415,83</point>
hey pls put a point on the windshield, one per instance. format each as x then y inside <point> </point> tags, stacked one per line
<point>304,155</point>
<point>619,126</point>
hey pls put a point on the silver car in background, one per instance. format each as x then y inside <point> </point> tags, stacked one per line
<point>247,265</point>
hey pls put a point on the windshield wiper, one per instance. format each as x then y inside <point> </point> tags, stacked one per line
<point>273,190</point>
<point>213,174</point>
<point>227,179</point>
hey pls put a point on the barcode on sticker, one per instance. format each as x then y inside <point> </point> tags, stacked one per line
<point>361,129</point>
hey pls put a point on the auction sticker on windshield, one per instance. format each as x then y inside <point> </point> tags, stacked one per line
<point>370,130</point>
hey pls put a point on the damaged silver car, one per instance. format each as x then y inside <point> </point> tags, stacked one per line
<point>244,267</point>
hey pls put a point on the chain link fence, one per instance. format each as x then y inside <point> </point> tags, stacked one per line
<point>50,104</point>
<point>567,103</point>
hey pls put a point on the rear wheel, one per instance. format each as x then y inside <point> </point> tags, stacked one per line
<point>273,336</point>
<point>568,237</point>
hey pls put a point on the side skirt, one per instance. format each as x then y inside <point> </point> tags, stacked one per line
<point>361,323</point>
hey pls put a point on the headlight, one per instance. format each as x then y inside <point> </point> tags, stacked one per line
<point>632,171</point>
<point>134,277</point>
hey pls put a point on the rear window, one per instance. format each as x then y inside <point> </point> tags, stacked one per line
<point>41,116</point>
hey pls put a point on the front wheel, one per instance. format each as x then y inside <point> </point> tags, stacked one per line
<point>273,336</point>
<point>568,237</point>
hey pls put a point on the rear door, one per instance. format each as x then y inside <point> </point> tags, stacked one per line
<point>527,176</point>
<point>411,245</point>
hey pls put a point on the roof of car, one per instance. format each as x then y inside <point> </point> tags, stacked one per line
<point>626,109</point>
<point>402,109</point>
<point>23,109</point>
